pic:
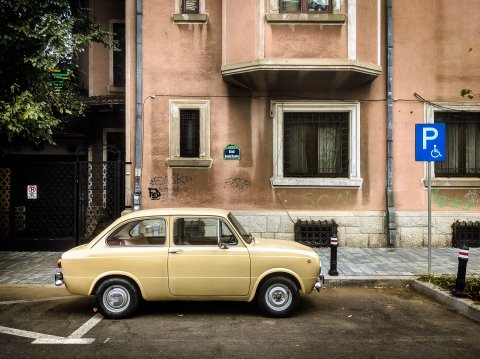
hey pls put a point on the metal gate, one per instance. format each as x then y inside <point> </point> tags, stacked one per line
<point>49,205</point>
<point>99,196</point>
<point>42,204</point>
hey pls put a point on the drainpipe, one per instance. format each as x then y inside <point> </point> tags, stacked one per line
<point>137,195</point>
<point>392,226</point>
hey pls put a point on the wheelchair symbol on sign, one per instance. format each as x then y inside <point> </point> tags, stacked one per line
<point>435,153</point>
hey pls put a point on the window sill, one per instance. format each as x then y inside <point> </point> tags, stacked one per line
<point>190,18</point>
<point>189,162</point>
<point>457,182</point>
<point>307,18</point>
<point>316,182</point>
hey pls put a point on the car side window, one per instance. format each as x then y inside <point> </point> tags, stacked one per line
<point>226,235</point>
<point>147,232</point>
<point>201,231</point>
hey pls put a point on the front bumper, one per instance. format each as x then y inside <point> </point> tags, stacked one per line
<point>319,283</point>
<point>58,279</point>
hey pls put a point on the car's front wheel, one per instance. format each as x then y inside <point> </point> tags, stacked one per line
<point>117,298</point>
<point>278,297</point>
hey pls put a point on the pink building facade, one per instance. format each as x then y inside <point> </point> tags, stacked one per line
<point>304,110</point>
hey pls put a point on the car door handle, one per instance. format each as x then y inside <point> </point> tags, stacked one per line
<point>175,250</point>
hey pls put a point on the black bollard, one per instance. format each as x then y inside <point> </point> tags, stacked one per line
<point>459,290</point>
<point>333,255</point>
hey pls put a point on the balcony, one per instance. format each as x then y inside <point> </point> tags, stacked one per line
<point>301,45</point>
<point>300,74</point>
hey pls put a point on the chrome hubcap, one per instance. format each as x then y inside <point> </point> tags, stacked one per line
<point>278,297</point>
<point>116,298</point>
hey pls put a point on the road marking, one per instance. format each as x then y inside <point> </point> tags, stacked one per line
<point>26,333</point>
<point>41,338</point>
<point>80,332</point>
<point>21,301</point>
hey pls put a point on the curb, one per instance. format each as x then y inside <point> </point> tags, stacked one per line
<point>368,281</point>
<point>463,306</point>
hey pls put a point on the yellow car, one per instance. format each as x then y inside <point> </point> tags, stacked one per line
<point>188,254</point>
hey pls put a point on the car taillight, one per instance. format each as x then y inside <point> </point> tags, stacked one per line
<point>59,262</point>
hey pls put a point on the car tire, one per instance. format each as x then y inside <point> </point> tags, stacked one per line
<point>117,298</point>
<point>278,297</point>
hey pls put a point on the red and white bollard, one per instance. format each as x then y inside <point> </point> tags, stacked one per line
<point>459,290</point>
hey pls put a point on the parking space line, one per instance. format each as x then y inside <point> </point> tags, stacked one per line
<point>41,338</point>
<point>27,334</point>
<point>80,332</point>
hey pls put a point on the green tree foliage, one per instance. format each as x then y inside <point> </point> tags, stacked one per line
<point>35,38</point>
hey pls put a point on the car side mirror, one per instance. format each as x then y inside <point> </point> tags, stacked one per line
<point>222,245</point>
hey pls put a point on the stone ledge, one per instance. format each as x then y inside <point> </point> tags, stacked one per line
<point>190,18</point>
<point>192,162</point>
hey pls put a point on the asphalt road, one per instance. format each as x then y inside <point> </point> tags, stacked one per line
<point>335,323</point>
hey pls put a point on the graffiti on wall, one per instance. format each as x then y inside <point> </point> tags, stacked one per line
<point>317,201</point>
<point>238,183</point>
<point>470,200</point>
<point>163,187</point>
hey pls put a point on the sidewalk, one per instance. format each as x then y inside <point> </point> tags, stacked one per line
<point>396,262</point>
<point>39,267</point>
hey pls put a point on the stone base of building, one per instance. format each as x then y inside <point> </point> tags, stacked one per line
<point>359,229</point>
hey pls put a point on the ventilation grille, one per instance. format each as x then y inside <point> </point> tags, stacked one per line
<point>466,233</point>
<point>315,233</point>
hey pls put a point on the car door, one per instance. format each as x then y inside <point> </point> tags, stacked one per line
<point>138,249</point>
<point>197,266</point>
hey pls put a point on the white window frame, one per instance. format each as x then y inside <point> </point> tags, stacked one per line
<point>278,108</point>
<point>204,159</point>
<point>180,18</point>
<point>451,182</point>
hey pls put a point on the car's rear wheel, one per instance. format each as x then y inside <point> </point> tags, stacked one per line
<point>117,298</point>
<point>278,297</point>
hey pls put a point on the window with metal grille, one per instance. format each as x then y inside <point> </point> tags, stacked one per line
<point>315,233</point>
<point>189,133</point>
<point>463,144</point>
<point>306,6</point>
<point>466,234</point>
<point>190,6</point>
<point>316,144</point>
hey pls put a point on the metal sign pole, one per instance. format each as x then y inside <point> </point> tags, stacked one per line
<point>430,146</point>
<point>429,224</point>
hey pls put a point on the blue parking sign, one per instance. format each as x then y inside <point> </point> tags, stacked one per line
<point>430,142</point>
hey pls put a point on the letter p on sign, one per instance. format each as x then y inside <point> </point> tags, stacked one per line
<point>430,142</point>
<point>429,134</point>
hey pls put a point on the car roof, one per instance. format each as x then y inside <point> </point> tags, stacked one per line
<point>181,211</point>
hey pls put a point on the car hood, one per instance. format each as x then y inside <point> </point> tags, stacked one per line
<point>261,243</point>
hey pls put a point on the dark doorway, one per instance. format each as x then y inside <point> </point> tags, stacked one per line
<point>55,203</point>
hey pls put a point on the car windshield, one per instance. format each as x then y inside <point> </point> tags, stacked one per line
<point>247,237</point>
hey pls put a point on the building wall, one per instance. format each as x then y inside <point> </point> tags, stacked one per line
<point>431,58</point>
<point>182,61</point>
